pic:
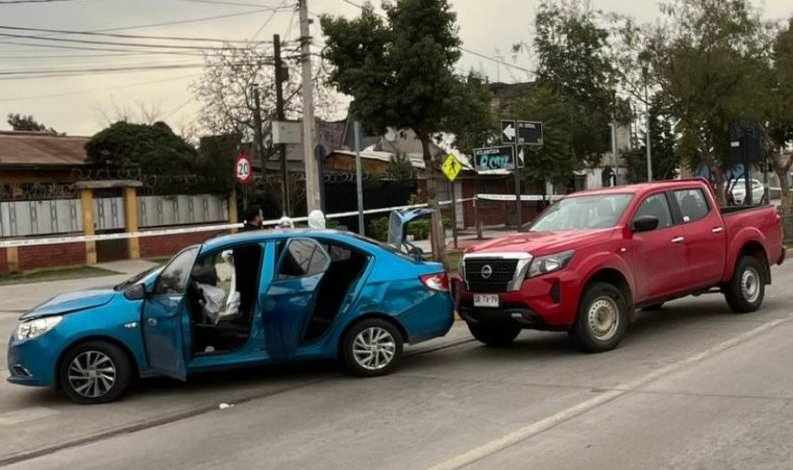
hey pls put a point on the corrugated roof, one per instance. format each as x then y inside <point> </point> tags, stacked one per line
<point>40,149</point>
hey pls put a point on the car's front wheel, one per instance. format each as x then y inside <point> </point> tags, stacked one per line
<point>95,372</point>
<point>602,320</point>
<point>371,348</point>
<point>494,336</point>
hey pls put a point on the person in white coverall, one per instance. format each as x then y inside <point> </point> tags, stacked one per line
<point>316,220</point>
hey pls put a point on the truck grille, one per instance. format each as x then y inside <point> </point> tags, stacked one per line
<point>489,275</point>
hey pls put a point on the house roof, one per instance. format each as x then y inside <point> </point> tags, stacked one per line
<point>41,149</point>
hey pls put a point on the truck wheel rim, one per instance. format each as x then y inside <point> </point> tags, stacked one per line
<point>92,374</point>
<point>374,348</point>
<point>750,285</point>
<point>604,318</point>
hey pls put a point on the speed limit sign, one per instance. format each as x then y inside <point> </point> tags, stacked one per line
<point>243,169</point>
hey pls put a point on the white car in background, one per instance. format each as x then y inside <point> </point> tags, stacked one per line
<point>739,191</point>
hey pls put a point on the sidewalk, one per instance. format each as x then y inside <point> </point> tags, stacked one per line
<point>466,238</point>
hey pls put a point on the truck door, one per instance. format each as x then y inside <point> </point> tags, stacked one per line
<point>658,256</point>
<point>706,239</point>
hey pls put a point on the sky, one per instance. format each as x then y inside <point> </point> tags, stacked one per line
<point>83,105</point>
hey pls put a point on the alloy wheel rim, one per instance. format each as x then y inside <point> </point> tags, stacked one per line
<point>374,348</point>
<point>750,285</point>
<point>92,374</point>
<point>604,318</point>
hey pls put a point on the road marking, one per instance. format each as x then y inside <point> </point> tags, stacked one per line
<point>529,431</point>
<point>26,414</point>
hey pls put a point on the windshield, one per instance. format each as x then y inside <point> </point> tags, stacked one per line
<point>583,213</point>
<point>135,279</point>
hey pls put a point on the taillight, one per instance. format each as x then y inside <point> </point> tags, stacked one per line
<point>437,282</point>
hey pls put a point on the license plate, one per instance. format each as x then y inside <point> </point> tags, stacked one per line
<point>486,300</point>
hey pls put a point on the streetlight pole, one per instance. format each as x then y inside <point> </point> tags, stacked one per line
<point>648,144</point>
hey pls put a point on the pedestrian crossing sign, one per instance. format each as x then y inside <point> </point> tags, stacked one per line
<point>452,167</point>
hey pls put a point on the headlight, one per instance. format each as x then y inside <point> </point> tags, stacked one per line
<point>35,328</point>
<point>550,263</point>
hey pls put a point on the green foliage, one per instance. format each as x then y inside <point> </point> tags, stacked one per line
<point>153,148</point>
<point>378,229</point>
<point>19,122</point>
<point>664,155</point>
<point>400,168</point>
<point>419,229</point>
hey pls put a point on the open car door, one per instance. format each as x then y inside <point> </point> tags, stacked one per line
<point>165,319</point>
<point>397,229</point>
<point>290,300</point>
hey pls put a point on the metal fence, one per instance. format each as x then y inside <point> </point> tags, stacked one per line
<point>56,216</point>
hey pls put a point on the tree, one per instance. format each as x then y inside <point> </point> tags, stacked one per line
<point>780,112</point>
<point>154,150</point>
<point>664,157</point>
<point>400,74</point>
<point>18,122</point>
<point>400,168</point>
<point>707,58</point>
<point>575,67</point>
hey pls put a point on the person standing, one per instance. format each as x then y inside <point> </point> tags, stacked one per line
<point>253,218</point>
<point>316,220</point>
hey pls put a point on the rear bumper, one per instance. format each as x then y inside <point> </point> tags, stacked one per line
<point>547,302</point>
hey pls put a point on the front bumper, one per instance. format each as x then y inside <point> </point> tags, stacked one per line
<point>32,362</point>
<point>548,302</point>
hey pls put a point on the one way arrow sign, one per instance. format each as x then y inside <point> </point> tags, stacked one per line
<point>508,132</point>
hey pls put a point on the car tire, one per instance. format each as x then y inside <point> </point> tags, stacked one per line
<point>602,320</point>
<point>494,336</point>
<point>653,307</point>
<point>95,372</point>
<point>746,290</point>
<point>371,348</point>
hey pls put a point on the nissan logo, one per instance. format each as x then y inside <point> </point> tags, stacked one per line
<point>487,271</point>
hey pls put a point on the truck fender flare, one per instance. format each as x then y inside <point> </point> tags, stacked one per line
<point>606,264</point>
<point>746,237</point>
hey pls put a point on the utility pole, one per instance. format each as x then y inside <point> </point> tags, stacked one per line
<point>649,139</point>
<point>359,176</point>
<point>279,114</point>
<point>257,131</point>
<point>312,173</point>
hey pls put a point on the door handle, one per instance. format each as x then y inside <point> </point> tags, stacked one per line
<point>678,240</point>
<point>151,321</point>
<point>717,230</point>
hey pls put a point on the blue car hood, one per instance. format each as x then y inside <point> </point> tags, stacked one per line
<point>71,302</point>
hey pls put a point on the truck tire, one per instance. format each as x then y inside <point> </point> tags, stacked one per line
<point>602,320</point>
<point>746,290</point>
<point>494,336</point>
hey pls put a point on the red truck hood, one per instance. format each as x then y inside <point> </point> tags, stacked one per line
<point>541,243</point>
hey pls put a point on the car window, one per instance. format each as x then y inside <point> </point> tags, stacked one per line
<point>302,257</point>
<point>656,206</point>
<point>583,213</point>
<point>173,279</point>
<point>693,205</point>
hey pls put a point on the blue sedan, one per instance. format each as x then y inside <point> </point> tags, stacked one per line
<point>236,300</point>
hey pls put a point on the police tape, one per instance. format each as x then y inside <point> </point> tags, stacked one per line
<point>523,197</point>
<point>203,228</point>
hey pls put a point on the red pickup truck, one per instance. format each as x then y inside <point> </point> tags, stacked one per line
<point>589,261</point>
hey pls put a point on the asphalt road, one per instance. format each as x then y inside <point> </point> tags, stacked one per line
<point>693,386</point>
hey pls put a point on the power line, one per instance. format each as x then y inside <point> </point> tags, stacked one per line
<point>272,15</point>
<point>469,51</point>
<point>103,49</point>
<point>111,43</point>
<point>13,2</point>
<point>117,35</point>
<point>219,2</point>
<point>92,90</point>
<point>39,73</point>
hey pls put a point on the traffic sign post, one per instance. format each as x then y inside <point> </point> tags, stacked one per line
<point>243,169</point>
<point>494,158</point>
<point>515,133</point>
<point>451,168</point>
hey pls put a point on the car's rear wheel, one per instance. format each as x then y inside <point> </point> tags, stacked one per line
<point>746,290</point>
<point>95,372</point>
<point>602,320</point>
<point>494,336</point>
<point>371,348</point>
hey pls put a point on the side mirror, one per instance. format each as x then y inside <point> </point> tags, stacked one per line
<point>136,292</point>
<point>645,223</point>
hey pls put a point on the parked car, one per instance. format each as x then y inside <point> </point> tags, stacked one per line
<point>591,259</point>
<point>738,192</point>
<point>252,298</point>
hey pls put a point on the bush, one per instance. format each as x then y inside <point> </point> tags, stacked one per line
<point>420,229</point>
<point>378,229</point>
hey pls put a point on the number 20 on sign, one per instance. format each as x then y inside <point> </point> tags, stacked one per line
<point>243,169</point>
